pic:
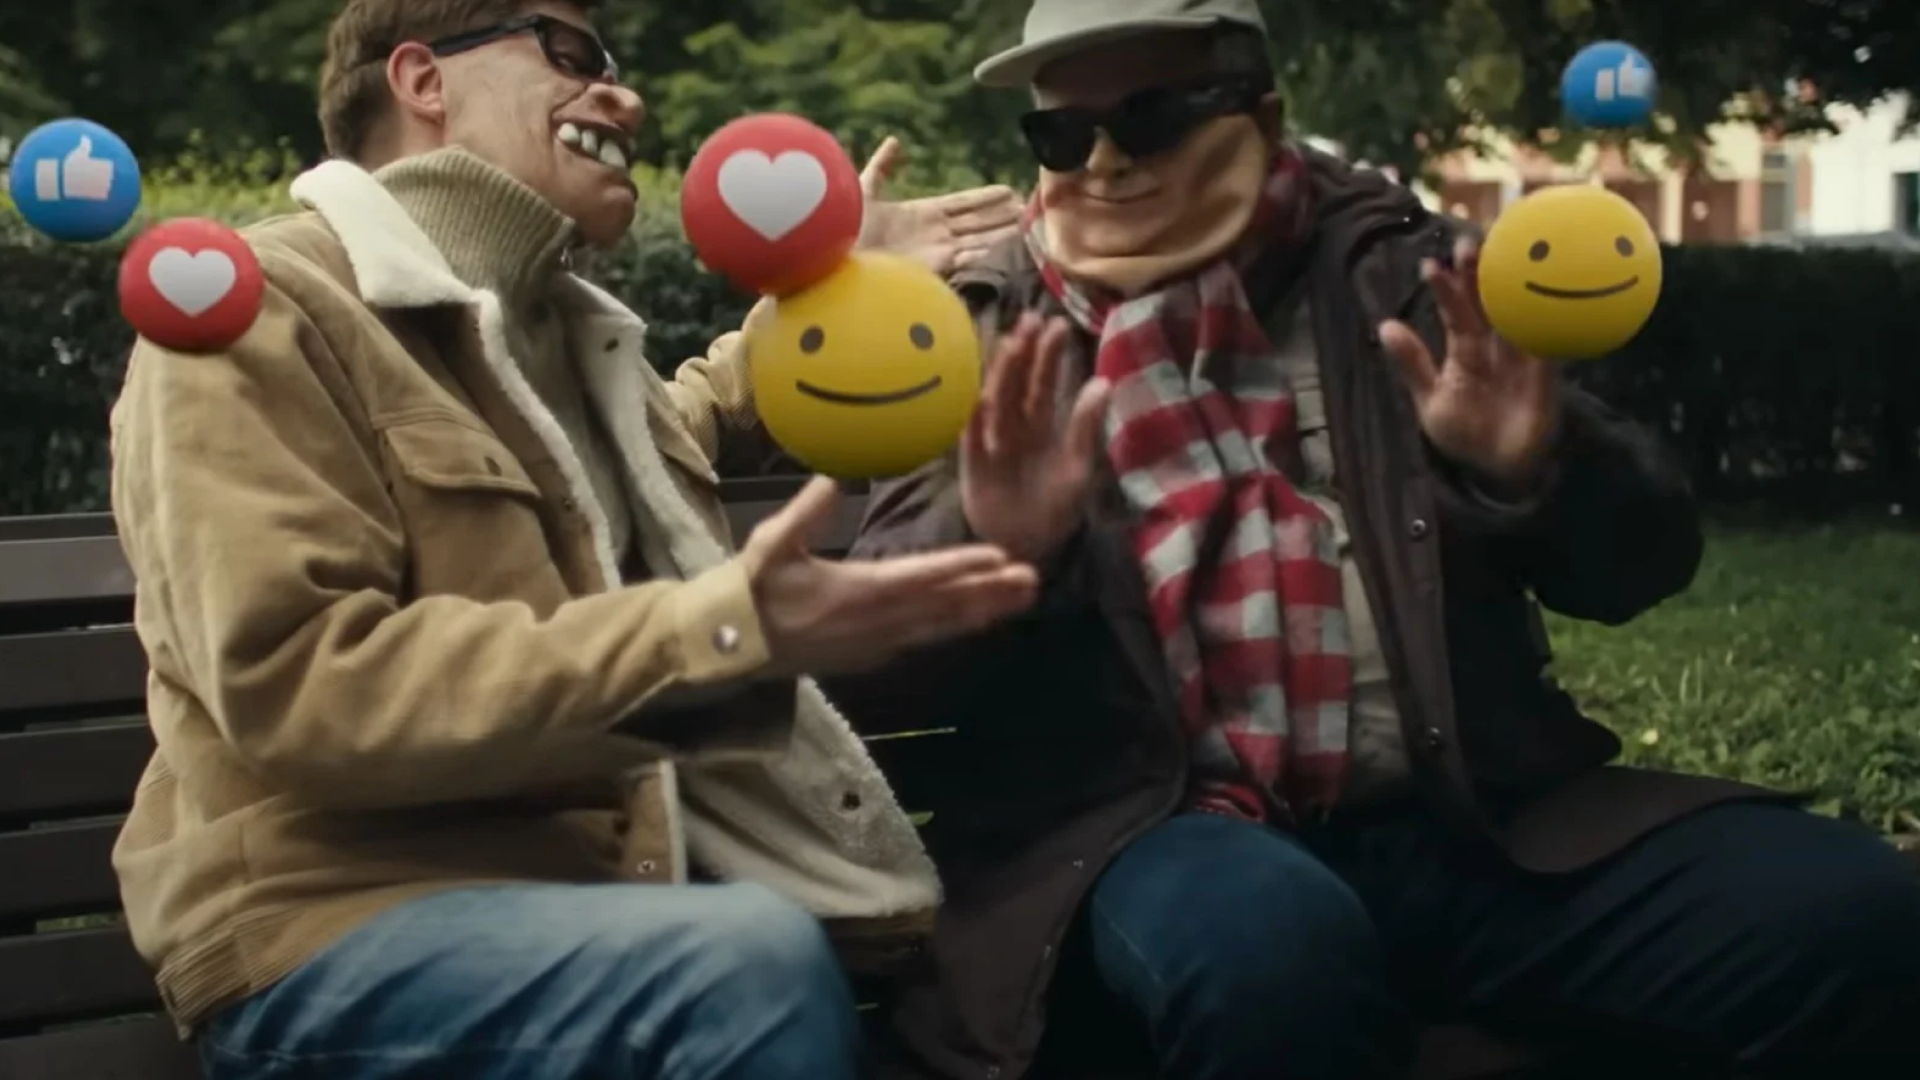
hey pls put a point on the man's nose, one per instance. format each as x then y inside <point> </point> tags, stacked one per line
<point>624,107</point>
<point>1107,158</point>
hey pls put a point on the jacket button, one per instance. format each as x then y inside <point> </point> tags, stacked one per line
<point>1079,864</point>
<point>567,504</point>
<point>1417,528</point>
<point>646,866</point>
<point>726,639</point>
<point>1436,739</point>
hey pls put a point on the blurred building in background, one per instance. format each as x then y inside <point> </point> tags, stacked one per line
<point>1860,184</point>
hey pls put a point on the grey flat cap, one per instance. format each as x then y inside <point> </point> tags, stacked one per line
<point>1057,28</point>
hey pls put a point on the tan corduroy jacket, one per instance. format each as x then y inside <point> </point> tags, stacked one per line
<point>389,649</point>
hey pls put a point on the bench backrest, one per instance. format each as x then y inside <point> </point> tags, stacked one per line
<point>76,1002</point>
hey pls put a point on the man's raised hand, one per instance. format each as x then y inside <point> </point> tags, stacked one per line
<point>1024,471</point>
<point>825,617</point>
<point>944,232</point>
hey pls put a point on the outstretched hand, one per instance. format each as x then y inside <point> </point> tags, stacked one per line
<point>1025,474</point>
<point>1487,406</point>
<point>944,232</point>
<point>827,617</point>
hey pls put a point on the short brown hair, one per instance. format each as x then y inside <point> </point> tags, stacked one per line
<point>353,80</point>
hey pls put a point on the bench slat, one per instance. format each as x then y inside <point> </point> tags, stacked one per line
<point>73,975</point>
<point>60,870</point>
<point>135,1049</point>
<point>834,542</point>
<point>72,771</point>
<point>63,571</point>
<point>55,526</point>
<point>72,668</point>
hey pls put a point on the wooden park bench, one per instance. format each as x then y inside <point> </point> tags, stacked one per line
<point>76,1002</point>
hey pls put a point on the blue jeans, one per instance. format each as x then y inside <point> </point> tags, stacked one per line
<point>1746,940</point>
<point>568,982</point>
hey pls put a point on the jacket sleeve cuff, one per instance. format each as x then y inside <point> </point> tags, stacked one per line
<point>1486,509</point>
<point>719,629</point>
<point>1512,508</point>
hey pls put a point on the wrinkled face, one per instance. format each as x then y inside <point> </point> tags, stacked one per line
<point>1126,202</point>
<point>535,104</point>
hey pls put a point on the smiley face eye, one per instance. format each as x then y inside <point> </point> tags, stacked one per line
<point>1624,246</point>
<point>811,339</point>
<point>1539,251</point>
<point>921,335</point>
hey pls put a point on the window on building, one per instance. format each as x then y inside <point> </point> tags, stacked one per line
<point>1906,203</point>
<point>1776,205</point>
<point>1778,209</point>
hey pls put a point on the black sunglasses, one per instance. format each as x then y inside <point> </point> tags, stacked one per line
<point>570,49</point>
<point>1145,123</point>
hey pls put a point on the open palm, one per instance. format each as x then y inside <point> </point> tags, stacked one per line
<point>1024,475</point>
<point>943,232</point>
<point>1487,406</point>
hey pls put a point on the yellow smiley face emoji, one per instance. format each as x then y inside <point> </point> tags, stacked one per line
<point>872,371</point>
<point>1570,272</point>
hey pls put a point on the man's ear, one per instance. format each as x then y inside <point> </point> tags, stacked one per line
<point>413,76</point>
<point>1271,115</point>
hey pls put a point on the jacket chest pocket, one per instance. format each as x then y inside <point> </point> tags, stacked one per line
<point>474,520</point>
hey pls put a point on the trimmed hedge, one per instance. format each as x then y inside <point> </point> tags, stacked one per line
<point>1762,364</point>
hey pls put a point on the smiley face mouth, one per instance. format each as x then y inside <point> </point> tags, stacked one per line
<point>1583,294</point>
<point>893,397</point>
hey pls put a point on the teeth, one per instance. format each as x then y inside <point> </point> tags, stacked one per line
<point>605,149</point>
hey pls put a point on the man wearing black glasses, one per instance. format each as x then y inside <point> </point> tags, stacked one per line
<point>481,750</point>
<point>1272,769</point>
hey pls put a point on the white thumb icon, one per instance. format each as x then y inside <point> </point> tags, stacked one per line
<point>1633,79</point>
<point>84,176</point>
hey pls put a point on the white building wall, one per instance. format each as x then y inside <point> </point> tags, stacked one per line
<point>1853,170</point>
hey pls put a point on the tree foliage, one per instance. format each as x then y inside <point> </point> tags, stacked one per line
<point>1400,81</point>
<point>1396,81</point>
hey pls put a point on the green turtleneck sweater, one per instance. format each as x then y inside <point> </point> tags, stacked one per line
<point>498,234</point>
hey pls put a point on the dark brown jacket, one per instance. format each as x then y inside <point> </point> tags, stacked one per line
<point>1068,745</point>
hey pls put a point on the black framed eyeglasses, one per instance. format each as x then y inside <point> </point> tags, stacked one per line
<point>1149,122</point>
<point>571,50</point>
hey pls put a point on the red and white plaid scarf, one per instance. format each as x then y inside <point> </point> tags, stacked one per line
<point>1242,572</point>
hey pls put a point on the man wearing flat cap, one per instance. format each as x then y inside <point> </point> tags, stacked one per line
<point>1273,774</point>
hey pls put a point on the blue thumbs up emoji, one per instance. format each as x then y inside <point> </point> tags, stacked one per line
<point>75,181</point>
<point>1609,84</point>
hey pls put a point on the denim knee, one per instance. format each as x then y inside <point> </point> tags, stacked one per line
<point>1853,936</point>
<point>760,932</point>
<point>1828,916</point>
<point>1246,955</point>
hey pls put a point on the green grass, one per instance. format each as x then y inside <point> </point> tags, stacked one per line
<point>1794,661</point>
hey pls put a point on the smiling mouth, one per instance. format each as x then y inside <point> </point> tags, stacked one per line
<point>1583,294</point>
<point>891,398</point>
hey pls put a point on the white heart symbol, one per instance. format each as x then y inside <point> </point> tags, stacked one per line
<point>772,195</point>
<point>192,283</point>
